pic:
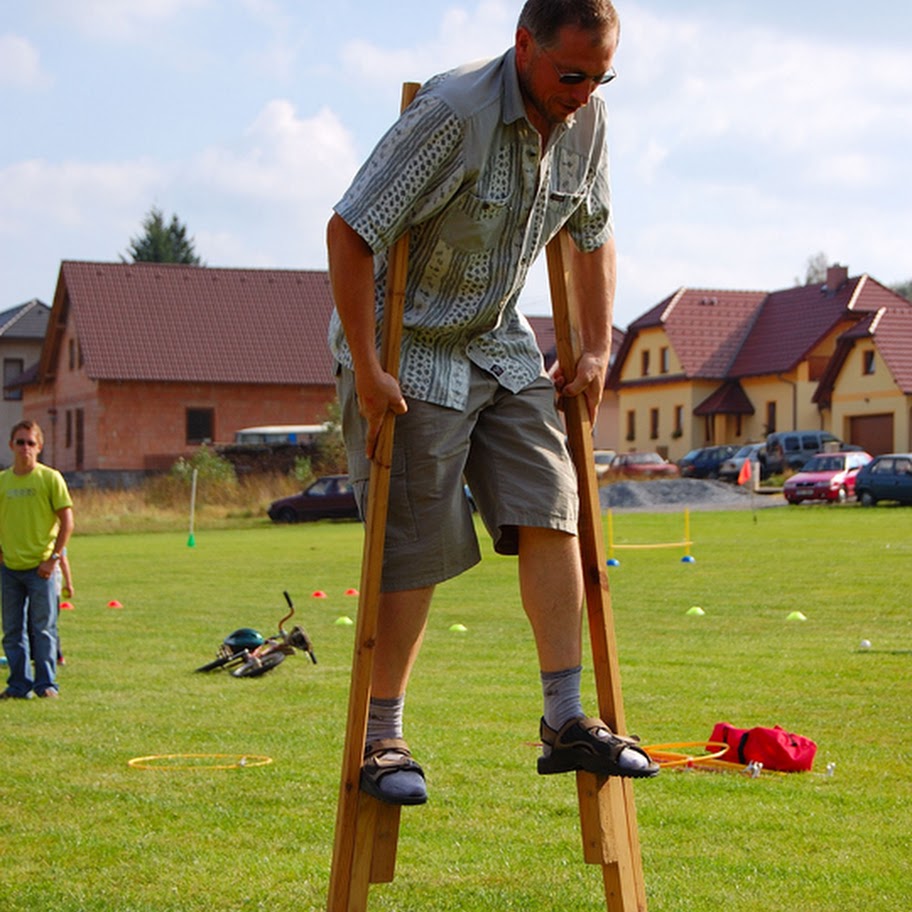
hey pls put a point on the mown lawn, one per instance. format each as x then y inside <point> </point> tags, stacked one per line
<point>81,831</point>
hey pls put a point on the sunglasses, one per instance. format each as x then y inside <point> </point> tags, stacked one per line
<point>28,443</point>
<point>573,79</point>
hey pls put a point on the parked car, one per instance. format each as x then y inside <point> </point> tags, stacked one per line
<point>887,477</point>
<point>790,450</point>
<point>641,465</point>
<point>826,476</point>
<point>755,452</point>
<point>603,461</point>
<point>329,497</point>
<point>705,462</point>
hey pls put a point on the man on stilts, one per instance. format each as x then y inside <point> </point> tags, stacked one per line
<point>482,170</point>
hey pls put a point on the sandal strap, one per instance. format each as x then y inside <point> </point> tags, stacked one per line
<point>374,750</point>
<point>551,737</point>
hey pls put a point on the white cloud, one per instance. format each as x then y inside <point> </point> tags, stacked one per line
<point>284,159</point>
<point>463,35</point>
<point>20,63</point>
<point>41,196</point>
<point>118,20</point>
<point>284,176</point>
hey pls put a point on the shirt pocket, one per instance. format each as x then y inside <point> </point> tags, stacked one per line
<point>474,224</point>
<point>569,188</point>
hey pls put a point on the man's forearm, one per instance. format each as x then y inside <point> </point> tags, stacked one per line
<point>351,276</point>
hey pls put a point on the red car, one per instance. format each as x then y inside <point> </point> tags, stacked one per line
<point>642,465</point>
<point>826,476</point>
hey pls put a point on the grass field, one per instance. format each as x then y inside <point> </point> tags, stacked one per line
<point>81,831</point>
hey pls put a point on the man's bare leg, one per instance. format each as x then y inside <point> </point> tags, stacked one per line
<point>402,620</point>
<point>389,772</point>
<point>551,585</point>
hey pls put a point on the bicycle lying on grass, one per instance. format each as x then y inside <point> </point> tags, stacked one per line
<point>248,654</point>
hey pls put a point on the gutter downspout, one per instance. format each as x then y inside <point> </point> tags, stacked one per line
<point>794,385</point>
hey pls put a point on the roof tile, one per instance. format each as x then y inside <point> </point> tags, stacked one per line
<point>162,322</point>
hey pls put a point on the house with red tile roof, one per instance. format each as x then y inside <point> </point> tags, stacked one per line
<point>713,366</point>
<point>22,331</point>
<point>143,362</point>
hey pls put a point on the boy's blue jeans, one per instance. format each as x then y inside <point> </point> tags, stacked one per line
<point>29,631</point>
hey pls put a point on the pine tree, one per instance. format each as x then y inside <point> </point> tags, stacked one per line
<point>163,243</point>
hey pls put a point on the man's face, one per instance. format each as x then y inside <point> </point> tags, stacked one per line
<point>26,448</point>
<point>576,51</point>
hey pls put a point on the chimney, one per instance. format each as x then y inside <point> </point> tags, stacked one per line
<point>836,277</point>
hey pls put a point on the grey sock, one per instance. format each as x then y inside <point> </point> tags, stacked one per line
<point>384,718</point>
<point>561,692</point>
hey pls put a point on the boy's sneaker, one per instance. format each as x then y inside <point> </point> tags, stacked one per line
<point>588,744</point>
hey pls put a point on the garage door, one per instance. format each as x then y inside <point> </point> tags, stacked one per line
<point>873,432</point>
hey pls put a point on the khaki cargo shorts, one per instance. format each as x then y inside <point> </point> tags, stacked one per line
<point>511,450</point>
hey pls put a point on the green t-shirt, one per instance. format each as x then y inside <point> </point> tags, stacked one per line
<point>28,515</point>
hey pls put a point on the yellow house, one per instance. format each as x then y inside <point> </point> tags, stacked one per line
<point>709,367</point>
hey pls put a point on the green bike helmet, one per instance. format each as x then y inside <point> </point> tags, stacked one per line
<point>244,638</point>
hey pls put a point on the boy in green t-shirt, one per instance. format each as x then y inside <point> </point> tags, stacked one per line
<point>36,521</point>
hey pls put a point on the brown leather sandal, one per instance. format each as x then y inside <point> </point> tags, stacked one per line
<point>588,744</point>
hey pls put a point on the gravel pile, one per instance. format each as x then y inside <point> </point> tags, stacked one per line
<point>670,494</point>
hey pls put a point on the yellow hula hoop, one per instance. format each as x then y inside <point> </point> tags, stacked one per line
<point>662,753</point>
<point>240,761</point>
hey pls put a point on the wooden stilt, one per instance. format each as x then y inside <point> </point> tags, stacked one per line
<point>607,810</point>
<point>367,830</point>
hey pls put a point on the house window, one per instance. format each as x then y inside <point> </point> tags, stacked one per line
<point>12,368</point>
<point>644,363</point>
<point>770,417</point>
<point>68,439</point>
<point>678,421</point>
<point>868,362</point>
<point>631,425</point>
<point>653,424</point>
<point>71,347</point>
<point>663,360</point>
<point>200,425</point>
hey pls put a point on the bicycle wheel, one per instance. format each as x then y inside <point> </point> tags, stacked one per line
<point>258,665</point>
<point>222,661</point>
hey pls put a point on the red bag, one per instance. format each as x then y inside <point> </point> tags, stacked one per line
<point>775,748</point>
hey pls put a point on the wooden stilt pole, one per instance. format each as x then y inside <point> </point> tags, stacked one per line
<point>607,810</point>
<point>367,830</point>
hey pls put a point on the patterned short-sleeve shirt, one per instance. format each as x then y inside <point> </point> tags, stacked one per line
<point>464,171</point>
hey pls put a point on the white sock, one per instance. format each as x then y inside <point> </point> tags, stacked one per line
<point>561,692</point>
<point>384,718</point>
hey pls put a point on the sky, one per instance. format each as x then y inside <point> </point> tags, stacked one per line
<point>745,137</point>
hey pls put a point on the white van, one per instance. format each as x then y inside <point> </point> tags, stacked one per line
<point>295,434</point>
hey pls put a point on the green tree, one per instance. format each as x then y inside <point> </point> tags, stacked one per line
<point>815,270</point>
<point>904,289</point>
<point>163,243</point>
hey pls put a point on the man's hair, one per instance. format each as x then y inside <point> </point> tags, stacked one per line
<point>27,425</point>
<point>543,19</point>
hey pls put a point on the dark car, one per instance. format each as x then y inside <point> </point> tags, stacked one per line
<point>641,465</point>
<point>329,497</point>
<point>826,476</point>
<point>788,451</point>
<point>887,477</point>
<point>730,470</point>
<point>705,462</point>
